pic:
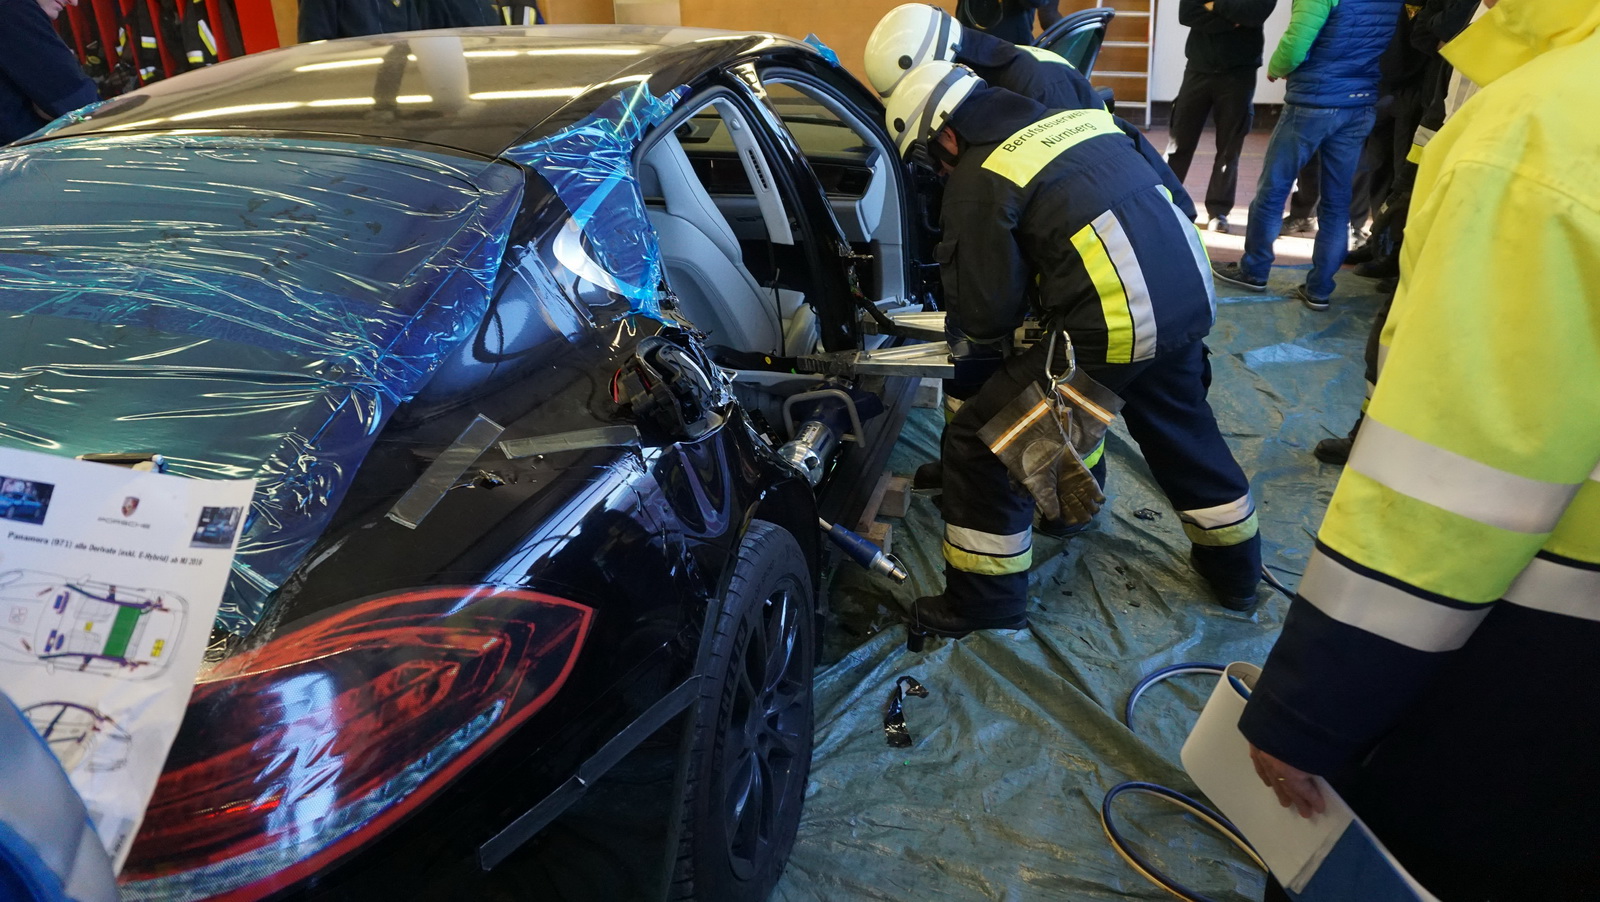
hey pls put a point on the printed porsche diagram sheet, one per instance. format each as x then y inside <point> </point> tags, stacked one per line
<point>110,578</point>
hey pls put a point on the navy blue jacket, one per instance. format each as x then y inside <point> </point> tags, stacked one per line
<point>1341,69</point>
<point>1055,86</point>
<point>1046,209</point>
<point>1003,64</point>
<point>40,78</point>
<point>1008,19</point>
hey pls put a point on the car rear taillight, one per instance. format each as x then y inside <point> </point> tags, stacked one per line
<point>302,750</point>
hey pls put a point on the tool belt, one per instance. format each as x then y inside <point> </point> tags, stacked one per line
<point>1044,433</point>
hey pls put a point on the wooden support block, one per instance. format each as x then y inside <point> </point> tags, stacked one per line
<point>874,502</point>
<point>880,534</point>
<point>930,393</point>
<point>897,498</point>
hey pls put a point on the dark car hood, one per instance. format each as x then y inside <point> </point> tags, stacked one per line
<point>244,307</point>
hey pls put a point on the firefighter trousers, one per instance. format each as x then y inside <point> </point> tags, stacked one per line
<point>988,544</point>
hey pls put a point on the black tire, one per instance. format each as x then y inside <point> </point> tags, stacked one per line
<point>750,746</point>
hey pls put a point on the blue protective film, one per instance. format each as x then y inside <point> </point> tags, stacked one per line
<point>822,49</point>
<point>71,117</point>
<point>244,307</point>
<point>590,165</point>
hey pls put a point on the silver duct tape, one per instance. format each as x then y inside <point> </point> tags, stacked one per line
<point>445,471</point>
<point>578,440</point>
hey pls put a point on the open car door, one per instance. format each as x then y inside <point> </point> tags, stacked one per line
<point>1077,38</point>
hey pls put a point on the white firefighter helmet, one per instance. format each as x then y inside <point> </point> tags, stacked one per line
<point>924,100</point>
<point>910,35</point>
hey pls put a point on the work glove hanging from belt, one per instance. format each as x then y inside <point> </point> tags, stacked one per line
<point>1041,437</point>
<point>1093,405</point>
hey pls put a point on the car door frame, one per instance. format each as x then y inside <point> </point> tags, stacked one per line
<point>920,276</point>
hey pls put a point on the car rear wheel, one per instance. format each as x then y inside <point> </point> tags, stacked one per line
<point>750,751</point>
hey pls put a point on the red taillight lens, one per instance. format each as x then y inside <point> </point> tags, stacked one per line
<point>302,750</point>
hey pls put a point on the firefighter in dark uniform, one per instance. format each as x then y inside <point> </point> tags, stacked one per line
<point>1058,211</point>
<point>915,33</point>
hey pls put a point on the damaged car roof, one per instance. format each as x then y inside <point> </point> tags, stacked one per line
<point>479,90</point>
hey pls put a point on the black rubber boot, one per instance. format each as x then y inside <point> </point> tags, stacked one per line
<point>1379,268</point>
<point>1057,529</point>
<point>937,615</point>
<point>929,476</point>
<point>1229,588</point>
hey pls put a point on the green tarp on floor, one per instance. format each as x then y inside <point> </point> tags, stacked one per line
<point>999,797</point>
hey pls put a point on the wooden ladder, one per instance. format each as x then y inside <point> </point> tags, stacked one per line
<point>1124,64</point>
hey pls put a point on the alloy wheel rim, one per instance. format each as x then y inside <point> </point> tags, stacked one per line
<point>766,731</point>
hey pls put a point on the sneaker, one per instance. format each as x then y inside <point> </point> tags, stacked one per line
<point>936,615</point>
<point>1299,224</point>
<point>1305,297</point>
<point>1233,274</point>
<point>1218,224</point>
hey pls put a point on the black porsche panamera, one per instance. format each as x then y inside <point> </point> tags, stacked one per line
<point>526,603</point>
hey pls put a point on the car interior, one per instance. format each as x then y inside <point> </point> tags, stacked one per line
<point>730,243</point>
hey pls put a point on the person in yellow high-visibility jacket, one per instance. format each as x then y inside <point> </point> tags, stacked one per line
<point>1437,663</point>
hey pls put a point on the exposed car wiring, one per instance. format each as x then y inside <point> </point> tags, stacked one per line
<point>777,299</point>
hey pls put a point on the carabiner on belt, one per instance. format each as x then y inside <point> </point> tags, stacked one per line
<point>1050,357</point>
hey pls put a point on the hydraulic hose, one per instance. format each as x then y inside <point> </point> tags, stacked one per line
<point>1141,864</point>
<point>1216,821</point>
<point>1164,673</point>
<point>864,552</point>
<point>1273,581</point>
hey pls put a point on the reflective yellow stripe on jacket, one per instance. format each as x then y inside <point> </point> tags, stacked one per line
<point>1021,156</point>
<point>1113,268</point>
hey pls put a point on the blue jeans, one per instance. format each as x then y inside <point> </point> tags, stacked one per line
<point>1339,133</point>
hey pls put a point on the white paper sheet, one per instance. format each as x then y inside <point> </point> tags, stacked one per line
<point>1217,756</point>
<point>110,579</point>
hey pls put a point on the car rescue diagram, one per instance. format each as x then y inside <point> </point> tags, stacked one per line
<point>87,626</point>
<point>80,736</point>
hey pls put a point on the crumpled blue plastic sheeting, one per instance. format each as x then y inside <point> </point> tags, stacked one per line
<point>590,166</point>
<point>245,307</point>
<point>71,117</point>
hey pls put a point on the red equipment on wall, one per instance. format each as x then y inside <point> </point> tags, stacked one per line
<point>124,44</point>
